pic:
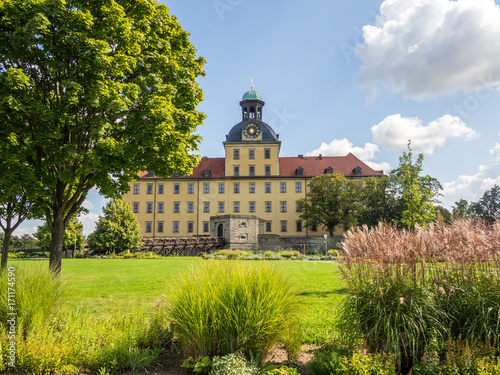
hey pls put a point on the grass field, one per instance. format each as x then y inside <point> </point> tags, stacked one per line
<point>104,286</point>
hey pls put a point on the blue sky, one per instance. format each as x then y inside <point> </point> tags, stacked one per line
<point>357,76</point>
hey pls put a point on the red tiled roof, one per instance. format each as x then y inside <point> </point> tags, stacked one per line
<point>316,165</point>
<point>312,165</point>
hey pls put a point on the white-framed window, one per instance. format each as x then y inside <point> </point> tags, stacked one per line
<point>161,207</point>
<point>269,226</point>
<point>135,207</point>
<point>161,188</point>
<point>251,170</point>
<point>206,206</point>
<point>298,187</point>
<point>268,206</point>
<point>283,206</point>
<point>206,188</point>
<point>268,187</point>
<point>190,188</point>
<point>251,206</point>
<point>190,227</point>
<point>190,208</point>
<point>221,188</point>
<point>177,207</point>
<point>236,154</point>
<point>251,153</point>
<point>175,227</point>
<point>283,225</point>
<point>149,226</point>
<point>221,206</point>
<point>251,187</point>
<point>236,188</point>
<point>136,188</point>
<point>177,188</point>
<point>149,189</point>
<point>267,170</point>
<point>236,170</point>
<point>236,206</point>
<point>283,187</point>
<point>149,207</point>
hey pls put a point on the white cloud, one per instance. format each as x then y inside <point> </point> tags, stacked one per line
<point>87,204</point>
<point>342,147</point>
<point>472,187</point>
<point>394,131</point>
<point>88,220</point>
<point>430,47</point>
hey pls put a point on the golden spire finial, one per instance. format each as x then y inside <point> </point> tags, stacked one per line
<point>251,83</point>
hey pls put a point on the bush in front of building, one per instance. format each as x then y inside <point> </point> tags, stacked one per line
<point>224,307</point>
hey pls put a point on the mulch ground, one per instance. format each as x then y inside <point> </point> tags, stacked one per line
<point>171,365</point>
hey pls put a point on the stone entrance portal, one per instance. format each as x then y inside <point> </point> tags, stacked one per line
<point>241,232</point>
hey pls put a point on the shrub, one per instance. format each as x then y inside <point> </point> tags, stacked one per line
<point>224,307</point>
<point>128,256</point>
<point>333,253</point>
<point>255,257</point>
<point>288,254</point>
<point>11,255</point>
<point>78,255</point>
<point>268,254</point>
<point>284,370</point>
<point>233,364</point>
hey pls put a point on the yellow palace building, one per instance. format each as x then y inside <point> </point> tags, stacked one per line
<point>250,181</point>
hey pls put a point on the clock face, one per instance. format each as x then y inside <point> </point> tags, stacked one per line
<point>251,131</point>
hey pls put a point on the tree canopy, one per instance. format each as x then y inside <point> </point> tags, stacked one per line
<point>73,235</point>
<point>417,193</point>
<point>331,200</point>
<point>118,230</point>
<point>91,92</point>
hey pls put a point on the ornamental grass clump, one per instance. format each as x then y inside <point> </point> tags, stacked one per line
<point>223,307</point>
<point>402,299</point>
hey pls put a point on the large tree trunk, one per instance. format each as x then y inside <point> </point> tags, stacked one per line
<point>56,245</point>
<point>5,247</point>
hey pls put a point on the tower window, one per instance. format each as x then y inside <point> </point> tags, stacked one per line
<point>236,154</point>
<point>267,153</point>
<point>236,170</point>
<point>268,170</point>
<point>251,154</point>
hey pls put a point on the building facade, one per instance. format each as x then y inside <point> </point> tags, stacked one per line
<point>251,179</point>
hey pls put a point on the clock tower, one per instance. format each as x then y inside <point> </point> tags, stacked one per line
<point>252,147</point>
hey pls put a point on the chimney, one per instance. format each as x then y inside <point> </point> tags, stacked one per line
<point>301,156</point>
<point>320,156</point>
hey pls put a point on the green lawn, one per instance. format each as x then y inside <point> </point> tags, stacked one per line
<point>101,286</point>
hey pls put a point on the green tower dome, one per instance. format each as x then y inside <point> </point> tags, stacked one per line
<point>252,95</point>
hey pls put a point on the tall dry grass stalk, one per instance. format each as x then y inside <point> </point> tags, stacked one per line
<point>409,288</point>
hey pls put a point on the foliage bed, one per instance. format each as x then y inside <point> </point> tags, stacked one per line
<point>411,291</point>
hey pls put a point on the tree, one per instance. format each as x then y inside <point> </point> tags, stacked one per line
<point>488,207</point>
<point>92,92</point>
<point>118,230</point>
<point>379,202</point>
<point>462,208</point>
<point>331,200</point>
<point>73,234</point>
<point>418,193</point>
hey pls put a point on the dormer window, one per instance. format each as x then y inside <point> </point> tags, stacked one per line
<point>329,170</point>
<point>300,171</point>
<point>207,173</point>
<point>151,174</point>
<point>357,171</point>
<point>177,174</point>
